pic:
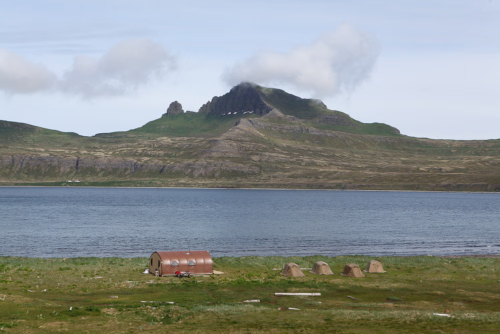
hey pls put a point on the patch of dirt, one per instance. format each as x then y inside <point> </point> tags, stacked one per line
<point>478,256</point>
<point>53,324</point>
<point>479,295</point>
<point>110,311</point>
<point>20,299</point>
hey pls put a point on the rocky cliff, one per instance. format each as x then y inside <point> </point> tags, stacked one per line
<point>175,108</point>
<point>243,98</point>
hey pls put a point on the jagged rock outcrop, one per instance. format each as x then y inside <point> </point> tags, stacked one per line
<point>175,108</point>
<point>240,99</point>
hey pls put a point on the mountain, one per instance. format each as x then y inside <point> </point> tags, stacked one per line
<point>251,136</point>
<point>248,100</point>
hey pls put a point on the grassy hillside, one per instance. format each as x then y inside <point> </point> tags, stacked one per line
<point>295,106</point>
<point>258,152</point>
<point>13,132</point>
<point>316,112</point>
<point>191,125</point>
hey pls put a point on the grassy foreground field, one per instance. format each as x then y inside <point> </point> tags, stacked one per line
<point>91,295</point>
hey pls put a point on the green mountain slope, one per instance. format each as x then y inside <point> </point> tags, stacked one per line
<point>249,101</point>
<point>191,125</point>
<point>317,112</point>
<point>13,132</point>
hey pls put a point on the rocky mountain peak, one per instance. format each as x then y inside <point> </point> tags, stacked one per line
<point>243,98</point>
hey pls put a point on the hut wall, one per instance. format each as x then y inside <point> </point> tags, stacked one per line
<point>196,262</point>
<point>155,263</point>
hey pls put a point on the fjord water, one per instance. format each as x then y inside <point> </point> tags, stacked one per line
<point>124,222</point>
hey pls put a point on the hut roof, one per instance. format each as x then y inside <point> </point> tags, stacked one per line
<point>202,254</point>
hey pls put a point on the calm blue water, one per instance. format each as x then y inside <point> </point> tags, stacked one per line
<point>74,222</point>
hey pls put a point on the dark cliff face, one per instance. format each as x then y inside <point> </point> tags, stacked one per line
<point>46,167</point>
<point>241,98</point>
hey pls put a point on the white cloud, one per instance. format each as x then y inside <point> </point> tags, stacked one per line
<point>336,62</point>
<point>20,76</point>
<point>124,68</point>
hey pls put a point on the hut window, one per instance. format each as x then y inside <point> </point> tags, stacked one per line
<point>151,261</point>
<point>175,263</point>
<point>192,263</point>
<point>158,263</point>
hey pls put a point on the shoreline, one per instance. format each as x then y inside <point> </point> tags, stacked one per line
<point>257,188</point>
<point>478,256</point>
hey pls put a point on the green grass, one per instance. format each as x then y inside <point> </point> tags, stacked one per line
<point>191,125</point>
<point>379,129</point>
<point>295,106</point>
<point>311,110</point>
<point>79,295</point>
<point>13,132</point>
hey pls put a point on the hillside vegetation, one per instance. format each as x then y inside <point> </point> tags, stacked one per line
<point>250,137</point>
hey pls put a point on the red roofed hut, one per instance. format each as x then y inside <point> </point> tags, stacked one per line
<point>167,263</point>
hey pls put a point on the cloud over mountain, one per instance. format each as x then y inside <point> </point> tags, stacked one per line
<point>122,69</point>
<point>336,62</point>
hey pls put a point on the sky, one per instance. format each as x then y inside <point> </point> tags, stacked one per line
<point>429,68</point>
